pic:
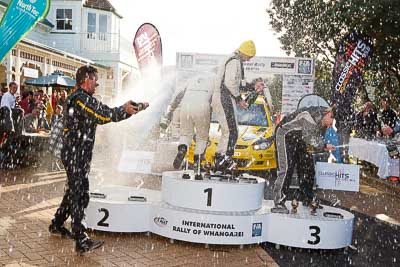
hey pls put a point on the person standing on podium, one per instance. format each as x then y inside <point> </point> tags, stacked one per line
<point>226,97</point>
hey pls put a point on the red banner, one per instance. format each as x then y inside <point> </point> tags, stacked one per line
<point>147,45</point>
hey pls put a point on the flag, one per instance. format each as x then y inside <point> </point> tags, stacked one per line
<point>147,46</point>
<point>18,20</point>
<point>352,56</point>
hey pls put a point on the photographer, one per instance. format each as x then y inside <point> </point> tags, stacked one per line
<point>81,115</point>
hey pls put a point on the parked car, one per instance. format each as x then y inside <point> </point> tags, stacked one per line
<point>255,148</point>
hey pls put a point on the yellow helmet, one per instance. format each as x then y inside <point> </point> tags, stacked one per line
<point>248,48</point>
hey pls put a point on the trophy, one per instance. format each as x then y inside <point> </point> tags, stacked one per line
<point>314,206</point>
<point>295,204</point>
<point>207,170</point>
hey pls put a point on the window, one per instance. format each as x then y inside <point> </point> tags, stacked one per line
<point>102,27</point>
<point>254,115</point>
<point>91,24</point>
<point>64,19</point>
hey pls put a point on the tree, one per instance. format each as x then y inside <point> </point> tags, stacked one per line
<point>275,88</point>
<point>313,28</point>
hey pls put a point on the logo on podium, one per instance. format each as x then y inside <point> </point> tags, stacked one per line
<point>256,229</point>
<point>160,221</point>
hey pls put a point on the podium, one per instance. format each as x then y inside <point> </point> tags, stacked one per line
<point>216,211</point>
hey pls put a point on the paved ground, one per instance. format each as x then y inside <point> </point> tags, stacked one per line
<point>28,200</point>
<point>376,234</point>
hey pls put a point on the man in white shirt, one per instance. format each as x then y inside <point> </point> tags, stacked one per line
<point>8,99</point>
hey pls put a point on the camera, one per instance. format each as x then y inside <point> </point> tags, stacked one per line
<point>140,106</point>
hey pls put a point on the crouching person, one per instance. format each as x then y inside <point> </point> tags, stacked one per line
<point>293,135</point>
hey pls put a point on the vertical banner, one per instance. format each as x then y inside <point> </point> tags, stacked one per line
<point>148,48</point>
<point>19,19</point>
<point>351,58</point>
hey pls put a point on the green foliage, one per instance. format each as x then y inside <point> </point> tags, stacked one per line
<point>313,28</point>
<point>275,88</point>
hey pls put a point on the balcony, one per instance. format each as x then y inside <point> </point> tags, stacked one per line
<point>99,42</point>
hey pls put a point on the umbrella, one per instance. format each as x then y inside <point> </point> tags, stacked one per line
<point>55,79</point>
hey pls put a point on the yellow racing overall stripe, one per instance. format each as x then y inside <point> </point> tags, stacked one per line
<point>91,111</point>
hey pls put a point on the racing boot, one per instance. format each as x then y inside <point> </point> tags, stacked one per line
<point>280,207</point>
<point>84,244</point>
<point>59,230</point>
<point>182,149</point>
<point>227,165</point>
<point>231,166</point>
<point>217,162</point>
<point>197,167</point>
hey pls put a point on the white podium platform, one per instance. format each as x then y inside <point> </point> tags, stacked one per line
<point>200,216</point>
<point>212,195</point>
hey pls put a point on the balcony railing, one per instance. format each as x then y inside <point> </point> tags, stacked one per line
<point>101,42</point>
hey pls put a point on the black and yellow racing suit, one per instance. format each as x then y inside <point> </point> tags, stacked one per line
<point>82,114</point>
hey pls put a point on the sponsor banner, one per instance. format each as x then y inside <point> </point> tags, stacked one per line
<point>256,67</point>
<point>19,19</point>
<point>294,87</point>
<point>148,47</point>
<point>352,56</point>
<point>299,72</point>
<point>344,177</point>
<point>207,228</point>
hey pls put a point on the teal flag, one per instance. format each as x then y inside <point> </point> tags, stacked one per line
<point>18,20</point>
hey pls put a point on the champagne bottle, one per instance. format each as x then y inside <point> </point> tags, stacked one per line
<point>140,106</point>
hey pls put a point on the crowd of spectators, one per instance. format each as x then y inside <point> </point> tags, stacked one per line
<point>373,123</point>
<point>29,115</point>
<point>40,109</point>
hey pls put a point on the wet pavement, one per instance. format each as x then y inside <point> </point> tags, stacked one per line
<point>376,234</point>
<point>376,243</point>
<point>28,199</point>
<point>30,196</point>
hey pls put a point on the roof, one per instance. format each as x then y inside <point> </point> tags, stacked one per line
<point>102,5</point>
<point>47,23</point>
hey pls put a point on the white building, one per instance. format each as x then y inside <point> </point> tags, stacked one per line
<point>89,29</point>
<point>31,59</point>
